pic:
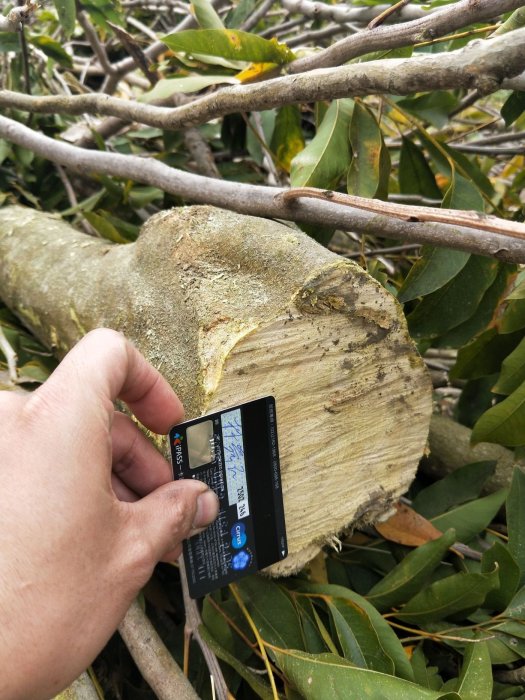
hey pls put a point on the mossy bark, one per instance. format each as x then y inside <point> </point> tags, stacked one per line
<point>228,308</point>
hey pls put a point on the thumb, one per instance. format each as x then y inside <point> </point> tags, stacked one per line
<point>171,513</point>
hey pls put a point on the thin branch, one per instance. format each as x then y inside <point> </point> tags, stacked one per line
<point>10,357</point>
<point>455,16</point>
<point>483,64</point>
<point>18,17</point>
<point>153,659</point>
<point>200,151</point>
<point>94,42</point>
<point>191,629</point>
<point>258,14</point>
<point>347,13</point>
<point>470,219</point>
<point>261,201</point>
<point>387,14</point>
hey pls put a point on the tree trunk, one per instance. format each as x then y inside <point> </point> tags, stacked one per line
<point>229,308</point>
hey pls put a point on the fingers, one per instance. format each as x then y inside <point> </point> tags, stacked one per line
<point>136,463</point>
<point>105,366</point>
<point>170,514</point>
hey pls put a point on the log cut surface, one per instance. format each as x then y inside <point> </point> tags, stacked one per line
<point>230,308</point>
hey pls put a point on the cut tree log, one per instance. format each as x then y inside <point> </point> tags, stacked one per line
<point>229,308</point>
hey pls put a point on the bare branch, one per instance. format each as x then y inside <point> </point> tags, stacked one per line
<point>471,219</point>
<point>347,13</point>
<point>483,65</point>
<point>152,658</point>
<point>17,17</point>
<point>10,357</point>
<point>191,629</point>
<point>259,200</point>
<point>455,16</point>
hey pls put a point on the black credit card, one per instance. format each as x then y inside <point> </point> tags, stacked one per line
<point>235,452</point>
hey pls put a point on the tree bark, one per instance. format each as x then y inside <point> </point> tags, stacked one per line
<point>229,308</point>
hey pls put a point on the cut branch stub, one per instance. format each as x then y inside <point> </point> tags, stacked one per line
<point>229,308</point>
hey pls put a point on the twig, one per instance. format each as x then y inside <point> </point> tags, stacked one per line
<point>456,16</point>
<point>317,35</point>
<point>470,219</point>
<point>347,13</point>
<point>10,357</point>
<point>72,198</point>
<point>386,14</point>
<point>484,64</point>
<point>191,629</point>
<point>384,251</point>
<point>94,42</point>
<point>258,14</point>
<point>153,659</point>
<point>201,153</point>
<point>17,17</point>
<point>259,200</point>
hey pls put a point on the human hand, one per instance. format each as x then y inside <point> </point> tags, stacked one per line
<point>87,508</point>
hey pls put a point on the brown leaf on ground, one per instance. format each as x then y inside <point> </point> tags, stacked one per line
<point>407,527</point>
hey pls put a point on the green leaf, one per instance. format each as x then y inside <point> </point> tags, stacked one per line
<point>483,356</point>
<point>238,14</point>
<point>313,641</point>
<point>504,422</point>
<point>400,584</point>
<point>191,83</point>
<point>347,640</point>
<point>102,11</point>
<point>425,675</point>
<point>231,44</point>
<point>433,270</point>
<point>518,292</point>
<point>287,138</point>
<point>9,41</point>
<point>272,611</point>
<point>328,677</point>
<point>516,607</point>
<point>327,157</point>
<point>512,371</point>
<point>487,308</point>
<point>67,15</point>
<point>433,107</point>
<point>52,49</point>
<point>255,682</point>
<point>513,318</point>
<point>475,681</point>
<point>509,577</point>
<point>516,519</point>
<point>462,194</point>
<point>415,174</point>
<point>370,167</point>
<point>471,518</point>
<point>459,593</point>
<point>358,637</point>
<point>104,227</point>
<point>388,642</point>
<point>464,484</point>
<point>513,107</point>
<point>206,15</point>
<point>456,301</point>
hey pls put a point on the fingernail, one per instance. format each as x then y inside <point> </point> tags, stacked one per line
<point>207,509</point>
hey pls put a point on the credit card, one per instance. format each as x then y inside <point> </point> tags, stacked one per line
<point>235,451</point>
